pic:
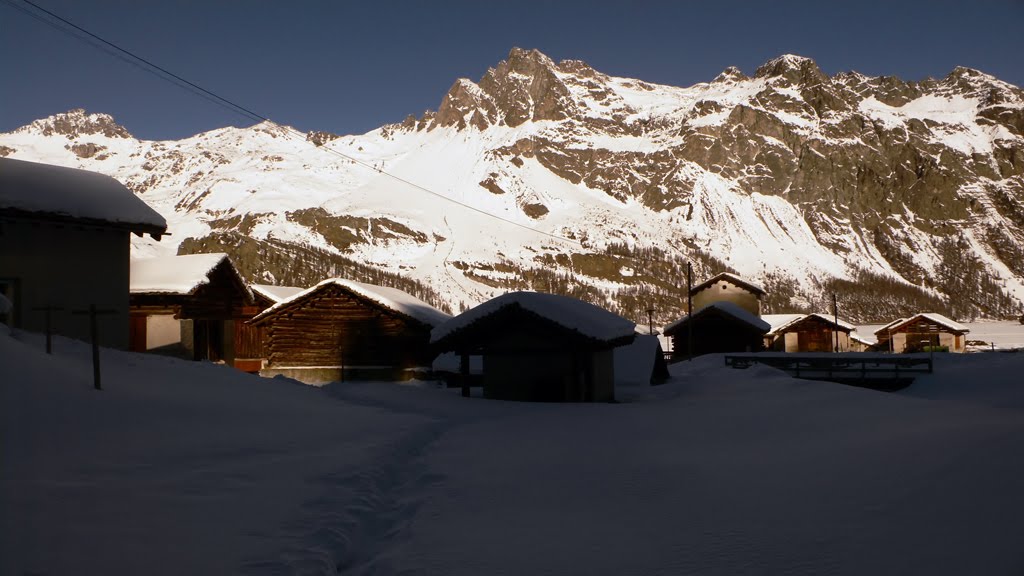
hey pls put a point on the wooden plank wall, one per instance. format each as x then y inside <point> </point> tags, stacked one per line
<point>335,328</point>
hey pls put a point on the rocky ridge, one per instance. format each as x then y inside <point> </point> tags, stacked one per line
<point>805,182</point>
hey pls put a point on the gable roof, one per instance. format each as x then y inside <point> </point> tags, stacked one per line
<point>177,275</point>
<point>45,190</point>
<point>275,293</point>
<point>727,308</point>
<point>391,298</point>
<point>930,316</point>
<point>730,278</point>
<point>830,320</point>
<point>588,320</point>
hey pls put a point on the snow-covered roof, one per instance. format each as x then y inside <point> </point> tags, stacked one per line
<point>931,316</point>
<point>391,298</point>
<point>179,275</point>
<point>729,308</point>
<point>777,321</point>
<point>275,293</point>
<point>576,315</point>
<point>858,338</point>
<point>76,194</point>
<point>730,278</point>
<point>779,325</point>
<point>885,329</point>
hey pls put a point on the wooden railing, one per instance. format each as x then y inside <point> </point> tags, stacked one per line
<point>873,371</point>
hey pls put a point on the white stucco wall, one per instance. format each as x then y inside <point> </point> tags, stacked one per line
<point>162,330</point>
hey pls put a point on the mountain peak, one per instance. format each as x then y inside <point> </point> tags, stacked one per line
<point>793,68</point>
<point>730,74</point>
<point>78,122</point>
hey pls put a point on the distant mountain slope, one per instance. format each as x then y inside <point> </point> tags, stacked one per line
<point>896,195</point>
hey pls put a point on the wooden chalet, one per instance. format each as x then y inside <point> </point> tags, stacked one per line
<point>65,238</point>
<point>343,330</point>
<point>194,305</point>
<point>921,332</point>
<point>539,347</point>
<point>726,287</point>
<point>715,328</point>
<point>808,333</point>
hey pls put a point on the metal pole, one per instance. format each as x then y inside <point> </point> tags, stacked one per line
<point>650,321</point>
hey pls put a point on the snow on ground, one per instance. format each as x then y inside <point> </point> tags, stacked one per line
<point>183,467</point>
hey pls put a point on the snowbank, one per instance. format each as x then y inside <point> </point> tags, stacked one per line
<point>185,468</point>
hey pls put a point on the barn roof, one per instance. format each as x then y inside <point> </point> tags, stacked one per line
<point>732,279</point>
<point>575,315</point>
<point>177,275</point>
<point>728,308</point>
<point>930,316</point>
<point>390,298</point>
<point>275,293</point>
<point>31,188</point>
<point>779,324</point>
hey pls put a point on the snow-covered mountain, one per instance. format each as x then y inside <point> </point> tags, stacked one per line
<point>896,195</point>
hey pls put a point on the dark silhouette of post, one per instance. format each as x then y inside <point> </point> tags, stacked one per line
<point>835,313</point>
<point>464,374</point>
<point>94,336</point>
<point>650,321</point>
<point>49,325</point>
<point>689,311</point>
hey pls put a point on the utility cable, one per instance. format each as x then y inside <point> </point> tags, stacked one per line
<point>167,75</point>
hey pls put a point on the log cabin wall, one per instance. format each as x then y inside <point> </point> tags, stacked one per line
<point>334,328</point>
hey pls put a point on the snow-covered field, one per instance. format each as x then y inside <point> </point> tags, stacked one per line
<point>190,468</point>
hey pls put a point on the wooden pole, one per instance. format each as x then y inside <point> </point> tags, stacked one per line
<point>94,336</point>
<point>464,374</point>
<point>49,326</point>
<point>689,311</point>
<point>835,313</point>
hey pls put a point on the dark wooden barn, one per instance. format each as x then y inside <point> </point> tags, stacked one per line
<point>921,332</point>
<point>717,327</point>
<point>539,347</point>
<point>193,305</point>
<point>809,333</point>
<point>344,330</point>
<point>65,246</point>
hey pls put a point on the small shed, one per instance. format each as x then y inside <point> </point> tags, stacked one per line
<point>717,327</point>
<point>807,333</point>
<point>341,329</point>
<point>726,287</point>
<point>191,304</point>
<point>539,347</point>
<point>65,238</point>
<point>921,332</point>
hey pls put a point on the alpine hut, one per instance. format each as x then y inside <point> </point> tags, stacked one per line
<point>539,347</point>
<point>727,287</point>
<point>808,333</point>
<point>922,331</point>
<point>194,304</point>
<point>66,243</point>
<point>717,327</point>
<point>341,329</point>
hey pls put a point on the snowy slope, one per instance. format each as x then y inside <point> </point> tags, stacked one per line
<point>180,467</point>
<point>788,174</point>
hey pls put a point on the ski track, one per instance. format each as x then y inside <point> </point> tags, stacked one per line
<point>359,515</point>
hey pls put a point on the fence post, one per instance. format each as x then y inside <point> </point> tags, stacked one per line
<point>94,336</point>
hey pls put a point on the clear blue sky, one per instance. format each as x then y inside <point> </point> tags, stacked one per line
<point>349,67</point>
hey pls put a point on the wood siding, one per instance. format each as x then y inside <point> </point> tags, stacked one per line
<point>335,328</point>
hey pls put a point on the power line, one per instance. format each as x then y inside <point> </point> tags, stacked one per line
<point>165,74</point>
